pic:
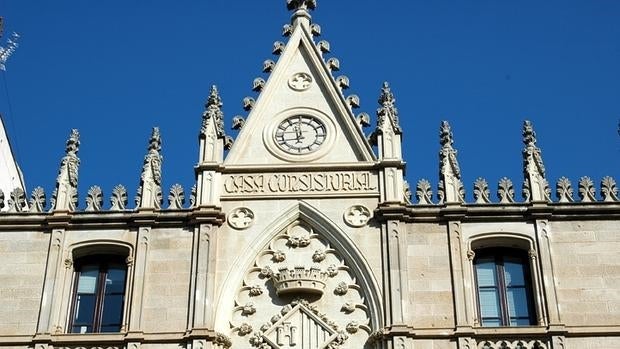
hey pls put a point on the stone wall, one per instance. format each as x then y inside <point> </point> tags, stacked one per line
<point>430,288</point>
<point>22,268</point>
<point>587,269</point>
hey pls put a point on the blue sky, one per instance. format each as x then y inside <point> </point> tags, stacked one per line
<point>113,69</point>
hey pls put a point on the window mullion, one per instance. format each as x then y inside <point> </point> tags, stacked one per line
<point>99,299</point>
<point>503,298</point>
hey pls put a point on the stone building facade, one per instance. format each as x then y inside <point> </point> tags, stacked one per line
<point>303,233</point>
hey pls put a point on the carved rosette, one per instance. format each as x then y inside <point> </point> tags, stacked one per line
<point>298,273</point>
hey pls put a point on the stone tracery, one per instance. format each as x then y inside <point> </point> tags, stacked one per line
<point>302,279</point>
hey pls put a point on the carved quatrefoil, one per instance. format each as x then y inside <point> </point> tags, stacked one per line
<point>300,81</point>
<point>241,218</point>
<point>357,215</point>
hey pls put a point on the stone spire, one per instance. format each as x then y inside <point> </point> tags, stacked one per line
<point>65,198</point>
<point>535,185</point>
<point>388,134</point>
<point>212,142</point>
<point>387,113</point>
<point>149,192</point>
<point>388,138</point>
<point>451,188</point>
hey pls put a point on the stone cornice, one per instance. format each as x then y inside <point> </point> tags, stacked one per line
<point>111,219</point>
<point>498,212</point>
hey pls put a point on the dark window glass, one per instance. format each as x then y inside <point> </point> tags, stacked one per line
<point>504,292</point>
<point>99,294</point>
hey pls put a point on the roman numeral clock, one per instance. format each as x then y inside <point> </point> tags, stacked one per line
<point>300,134</point>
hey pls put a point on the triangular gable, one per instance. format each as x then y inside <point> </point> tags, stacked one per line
<point>300,91</point>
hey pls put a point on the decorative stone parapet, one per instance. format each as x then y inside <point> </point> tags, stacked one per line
<point>299,280</point>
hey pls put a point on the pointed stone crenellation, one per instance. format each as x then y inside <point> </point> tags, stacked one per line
<point>535,186</point>
<point>192,197</point>
<point>609,190</point>
<point>587,192</point>
<point>118,200</point>
<point>564,190</point>
<point>94,199</point>
<point>65,197</point>
<point>481,191</point>
<point>176,197</point>
<point>424,193</point>
<point>17,202</point>
<point>37,200</point>
<point>149,192</point>
<point>451,189</point>
<point>505,191</point>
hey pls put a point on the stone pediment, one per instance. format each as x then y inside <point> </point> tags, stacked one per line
<point>300,116</point>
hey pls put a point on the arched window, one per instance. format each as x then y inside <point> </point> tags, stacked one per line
<point>98,294</point>
<point>504,287</point>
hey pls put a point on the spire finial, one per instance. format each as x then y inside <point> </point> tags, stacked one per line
<point>65,197</point>
<point>301,9</point>
<point>149,192</point>
<point>451,188</point>
<point>213,111</point>
<point>387,111</point>
<point>535,185</point>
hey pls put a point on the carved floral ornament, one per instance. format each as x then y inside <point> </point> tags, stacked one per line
<point>298,278</point>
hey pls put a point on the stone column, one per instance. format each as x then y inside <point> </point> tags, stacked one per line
<point>51,298</point>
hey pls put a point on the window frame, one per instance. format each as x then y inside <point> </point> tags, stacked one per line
<point>499,256</point>
<point>103,262</point>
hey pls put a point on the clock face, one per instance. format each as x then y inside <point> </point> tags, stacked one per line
<point>300,134</point>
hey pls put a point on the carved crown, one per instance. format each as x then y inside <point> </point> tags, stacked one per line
<point>299,280</point>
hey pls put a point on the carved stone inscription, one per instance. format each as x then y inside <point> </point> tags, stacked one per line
<point>308,182</point>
